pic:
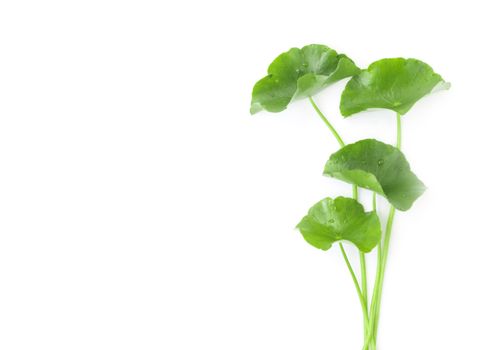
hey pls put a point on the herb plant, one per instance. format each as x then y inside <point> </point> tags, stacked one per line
<point>395,84</point>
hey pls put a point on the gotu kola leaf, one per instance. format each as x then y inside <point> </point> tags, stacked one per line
<point>299,73</point>
<point>378,167</point>
<point>390,83</point>
<point>342,218</point>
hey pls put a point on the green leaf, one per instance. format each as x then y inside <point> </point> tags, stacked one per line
<point>299,73</point>
<point>378,167</point>
<point>331,220</point>
<point>390,83</point>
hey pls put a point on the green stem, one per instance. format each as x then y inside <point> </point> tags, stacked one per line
<point>363,263</point>
<point>363,267</point>
<point>327,123</point>
<point>398,131</point>
<point>362,292</point>
<point>382,258</point>
<point>357,286</point>
<point>363,274</point>
<point>370,335</point>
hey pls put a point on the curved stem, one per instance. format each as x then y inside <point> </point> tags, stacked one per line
<point>327,123</point>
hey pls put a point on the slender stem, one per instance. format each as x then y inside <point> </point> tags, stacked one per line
<point>363,262</point>
<point>327,123</point>
<point>382,258</point>
<point>363,268</point>
<point>357,286</point>
<point>398,131</point>
<point>363,275</point>
<point>371,336</point>
<point>363,291</point>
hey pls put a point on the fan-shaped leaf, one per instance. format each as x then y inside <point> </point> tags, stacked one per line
<point>390,83</point>
<point>299,73</point>
<point>378,167</point>
<point>332,220</point>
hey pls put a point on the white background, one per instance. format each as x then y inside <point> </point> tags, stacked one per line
<point>142,207</point>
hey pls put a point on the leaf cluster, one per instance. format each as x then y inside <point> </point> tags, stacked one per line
<point>395,84</point>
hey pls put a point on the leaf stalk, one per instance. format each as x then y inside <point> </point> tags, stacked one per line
<point>363,290</point>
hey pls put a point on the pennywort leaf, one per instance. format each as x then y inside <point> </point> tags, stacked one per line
<point>378,167</point>
<point>390,83</point>
<point>331,220</point>
<point>299,73</point>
